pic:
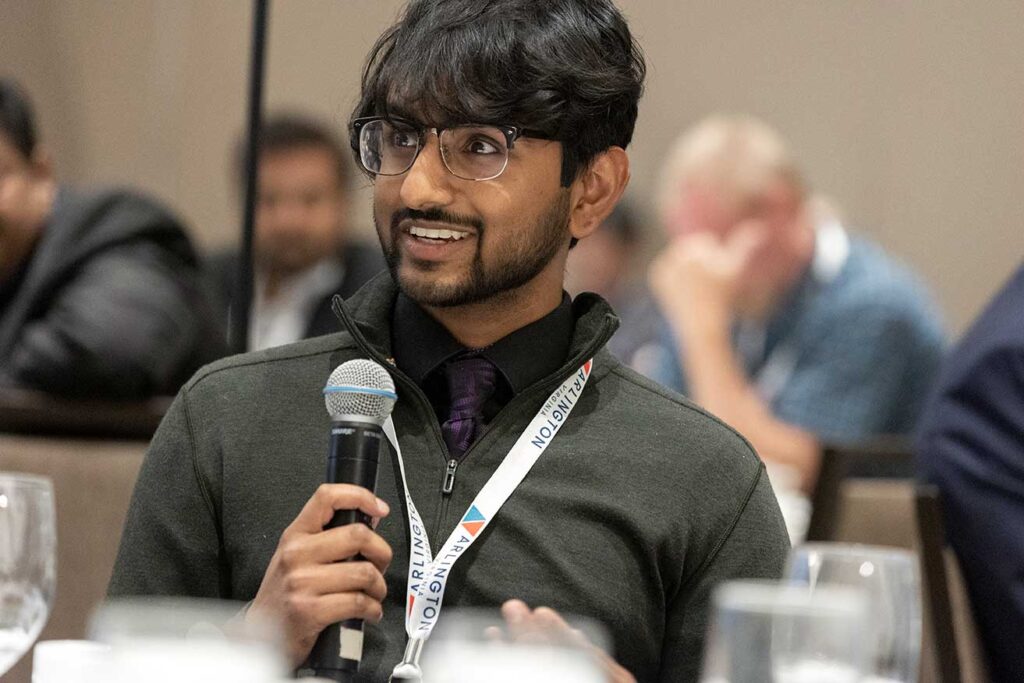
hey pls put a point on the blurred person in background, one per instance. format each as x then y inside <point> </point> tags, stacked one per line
<point>601,263</point>
<point>776,319</point>
<point>100,293</point>
<point>302,251</point>
<point>604,264</point>
<point>971,445</point>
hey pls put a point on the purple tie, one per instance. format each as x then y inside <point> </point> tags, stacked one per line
<point>471,381</point>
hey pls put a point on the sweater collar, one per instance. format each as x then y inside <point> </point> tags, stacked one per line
<point>422,345</point>
<point>367,316</point>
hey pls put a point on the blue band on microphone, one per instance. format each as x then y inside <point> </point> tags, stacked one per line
<point>349,389</point>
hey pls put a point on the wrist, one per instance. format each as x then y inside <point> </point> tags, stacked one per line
<point>710,321</point>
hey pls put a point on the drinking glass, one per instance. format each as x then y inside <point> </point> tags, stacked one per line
<point>170,640</point>
<point>889,576</point>
<point>770,631</point>
<point>28,575</point>
<point>470,645</point>
<point>67,661</point>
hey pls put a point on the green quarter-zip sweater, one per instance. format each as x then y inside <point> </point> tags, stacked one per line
<point>639,507</point>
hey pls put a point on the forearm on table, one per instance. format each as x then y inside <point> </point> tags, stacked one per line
<point>718,383</point>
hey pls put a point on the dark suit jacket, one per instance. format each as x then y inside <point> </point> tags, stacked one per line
<point>972,446</point>
<point>109,305</point>
<point>360,261</point>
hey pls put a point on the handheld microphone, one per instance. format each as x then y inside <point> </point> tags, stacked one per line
<point>360,395</point>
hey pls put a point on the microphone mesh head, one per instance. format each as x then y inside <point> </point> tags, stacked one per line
<point>360,388</point>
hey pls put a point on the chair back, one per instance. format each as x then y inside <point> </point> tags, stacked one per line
<point>959,656</point>
<point>881,510</point>
<point>883,459</point>
<point>93,482</point>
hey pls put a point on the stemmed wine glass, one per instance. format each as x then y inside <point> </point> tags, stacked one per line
<point>28,574</point>
<point>889,576</point>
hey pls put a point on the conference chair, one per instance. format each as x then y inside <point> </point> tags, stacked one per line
<point>879,470</point>
<point>958,653</point>
<point>858,501</point>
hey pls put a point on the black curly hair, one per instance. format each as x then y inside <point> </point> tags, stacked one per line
<point>567,69</point>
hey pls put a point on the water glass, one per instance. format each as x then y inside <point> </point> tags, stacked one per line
<point>68,661</point>
<point>889,577</point>
<point>170,640</point>
<point>769,631</point>
<point>469,646</point>
<point>28,574</point>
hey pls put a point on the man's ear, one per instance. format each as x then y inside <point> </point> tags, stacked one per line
<point>597,190</point>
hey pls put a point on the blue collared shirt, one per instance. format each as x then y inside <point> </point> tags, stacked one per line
<point>846,357</point>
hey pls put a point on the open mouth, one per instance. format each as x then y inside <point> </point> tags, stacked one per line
<point>438,234</point>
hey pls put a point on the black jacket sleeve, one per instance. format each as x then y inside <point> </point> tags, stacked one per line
<point>128,324</point>
<point>171,540</point>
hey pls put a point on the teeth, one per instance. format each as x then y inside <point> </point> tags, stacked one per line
<point>417,231</point>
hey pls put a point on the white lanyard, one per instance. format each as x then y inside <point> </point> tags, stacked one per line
<point>428,575</point>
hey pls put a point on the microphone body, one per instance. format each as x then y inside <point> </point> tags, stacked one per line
<point>352,457</point>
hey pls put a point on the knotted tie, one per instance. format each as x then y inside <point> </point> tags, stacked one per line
<point>471,381</point>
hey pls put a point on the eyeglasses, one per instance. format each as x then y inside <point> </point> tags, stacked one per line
<point>471,151</point>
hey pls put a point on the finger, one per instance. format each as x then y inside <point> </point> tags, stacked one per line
<point>329,498</point>
<point>545,617</point>
<point>340,577</point>
<point>515,611</point>
<point>560,630</point>
<point>556,629</point>
<point>494,634</point>
<point>329,609</point>
<point>345,542</point>
<point>539,626</point>
<point>517,616</point>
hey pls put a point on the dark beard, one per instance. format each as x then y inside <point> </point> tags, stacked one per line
<point>514,267</point>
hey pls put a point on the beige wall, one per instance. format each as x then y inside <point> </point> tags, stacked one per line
<point>909,114</point>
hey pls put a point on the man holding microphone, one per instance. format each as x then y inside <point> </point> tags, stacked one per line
<point>495,135</point>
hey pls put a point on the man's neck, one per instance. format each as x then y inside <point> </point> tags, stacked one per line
<point>479,325</point>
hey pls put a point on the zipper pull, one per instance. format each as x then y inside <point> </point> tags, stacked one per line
<point>449,477</point>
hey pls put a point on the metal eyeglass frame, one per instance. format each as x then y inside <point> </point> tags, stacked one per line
<point>511,133</point>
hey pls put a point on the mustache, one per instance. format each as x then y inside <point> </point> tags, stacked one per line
<point>437,216</point>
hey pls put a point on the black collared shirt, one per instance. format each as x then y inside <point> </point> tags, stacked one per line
<point>421,346</point>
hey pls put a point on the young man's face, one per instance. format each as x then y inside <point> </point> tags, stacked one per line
<point>451,241</point>
<point>300,218</point>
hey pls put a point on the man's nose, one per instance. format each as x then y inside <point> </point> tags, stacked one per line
<point>428,183</point>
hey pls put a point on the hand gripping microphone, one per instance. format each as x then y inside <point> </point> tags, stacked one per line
<point>359,395</point>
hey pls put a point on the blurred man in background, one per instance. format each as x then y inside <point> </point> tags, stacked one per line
<point>776,319</point>
<point>302,253</point>
<point>99,293</point>
<point>602,262</point>
<point>605,263</point>
<point>971,446</point>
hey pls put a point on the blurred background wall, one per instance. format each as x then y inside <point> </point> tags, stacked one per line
<point>909,114</point>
